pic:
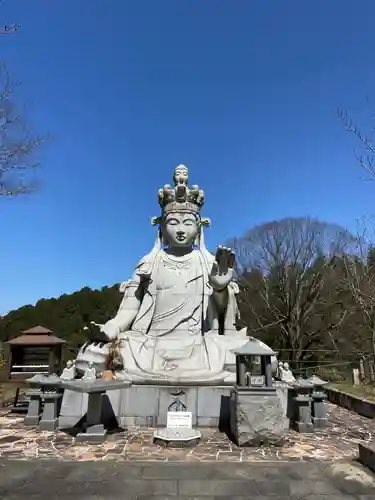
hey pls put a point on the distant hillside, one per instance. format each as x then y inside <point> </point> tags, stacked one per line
<point>66,315</point>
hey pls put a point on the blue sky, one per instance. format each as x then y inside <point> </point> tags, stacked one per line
<point>244,92</point>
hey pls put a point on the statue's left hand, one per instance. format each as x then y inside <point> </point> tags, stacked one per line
<point>222,269</point>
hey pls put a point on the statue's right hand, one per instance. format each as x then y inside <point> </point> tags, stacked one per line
<point>111,330</point>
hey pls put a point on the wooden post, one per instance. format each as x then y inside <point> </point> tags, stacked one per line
<point>51,361</point>
<point>7,361</point>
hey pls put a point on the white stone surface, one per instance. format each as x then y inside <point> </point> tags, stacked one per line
<point>177,434</point>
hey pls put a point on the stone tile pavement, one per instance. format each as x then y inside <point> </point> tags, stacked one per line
<point>338,442</point>
<point>52,479</point>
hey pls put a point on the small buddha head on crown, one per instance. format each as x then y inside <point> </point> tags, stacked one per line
<point>180,220</point>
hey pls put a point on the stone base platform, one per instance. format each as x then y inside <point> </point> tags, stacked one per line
<point>147,405</point>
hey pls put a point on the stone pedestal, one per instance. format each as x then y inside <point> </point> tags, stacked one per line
<point>177,437</point>
<point>257,416</point>
<point>303,422</point>
<point>147,405</point>
<point>49,420</point>
<point>319,410</point>
<point>35,406</point>
<point>93,429</point>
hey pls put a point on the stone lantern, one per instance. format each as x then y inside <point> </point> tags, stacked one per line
<point>246,365</point>
<point>302,421</point>
<point>256,412</point>
<point>319,407</point>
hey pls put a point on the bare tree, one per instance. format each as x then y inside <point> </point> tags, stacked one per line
<point>366,159</point>
<point>17,145</point>
<point>287,270</point>
<point>8,28</point>
<point>359,281</point>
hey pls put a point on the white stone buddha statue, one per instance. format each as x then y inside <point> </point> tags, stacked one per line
<point>176,321</point>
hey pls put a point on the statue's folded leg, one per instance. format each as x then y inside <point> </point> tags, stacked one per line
<point>137,351</point>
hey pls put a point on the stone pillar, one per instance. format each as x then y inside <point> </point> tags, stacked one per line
<point>34,409</point>
<point>355,377</point>
<point>241,371</point>
<point>319,409</point>
<point>49,420</point>
<point>303,421</point>
<point>362,373</point>
<point>94,430</point>
<point>268,371</point>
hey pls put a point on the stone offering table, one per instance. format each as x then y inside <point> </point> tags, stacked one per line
<point>94,429</point>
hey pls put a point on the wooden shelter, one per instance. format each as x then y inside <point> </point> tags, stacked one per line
<point>37,350</point>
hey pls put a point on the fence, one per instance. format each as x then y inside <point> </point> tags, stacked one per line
<point>330,365</point>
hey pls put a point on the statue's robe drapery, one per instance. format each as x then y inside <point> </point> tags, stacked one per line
<point>179,331</point>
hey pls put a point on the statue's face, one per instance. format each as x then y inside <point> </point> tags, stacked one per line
<point>181,175</point>
<point>180,229</point>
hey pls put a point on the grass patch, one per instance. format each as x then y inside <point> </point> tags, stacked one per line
<point>362,391</point>
<point>7,393</point>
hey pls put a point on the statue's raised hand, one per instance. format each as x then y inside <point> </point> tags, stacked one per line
<point>222,268</point>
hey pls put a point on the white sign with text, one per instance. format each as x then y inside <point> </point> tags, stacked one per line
<point>257,380</point>
<point>179,419</point>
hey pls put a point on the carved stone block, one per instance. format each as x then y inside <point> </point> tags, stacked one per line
<point>257,416</point>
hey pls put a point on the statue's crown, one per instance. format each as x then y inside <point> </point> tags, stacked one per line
<point>180,198</point>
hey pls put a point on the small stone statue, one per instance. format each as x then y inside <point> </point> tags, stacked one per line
<point>90,372</point>
<point>69,371</point>
<point>286,374</point>
<point>280,369</point>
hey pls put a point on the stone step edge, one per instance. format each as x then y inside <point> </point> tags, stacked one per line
<point>366,455</point>
<point>359,405</point>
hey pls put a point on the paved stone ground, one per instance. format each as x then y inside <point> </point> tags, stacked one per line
<point>338,442</point>
<point>51,479</point>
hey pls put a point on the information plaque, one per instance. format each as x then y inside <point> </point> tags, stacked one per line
<point>179,419</point>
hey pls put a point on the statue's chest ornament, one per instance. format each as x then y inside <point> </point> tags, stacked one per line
<point>177,267</point>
